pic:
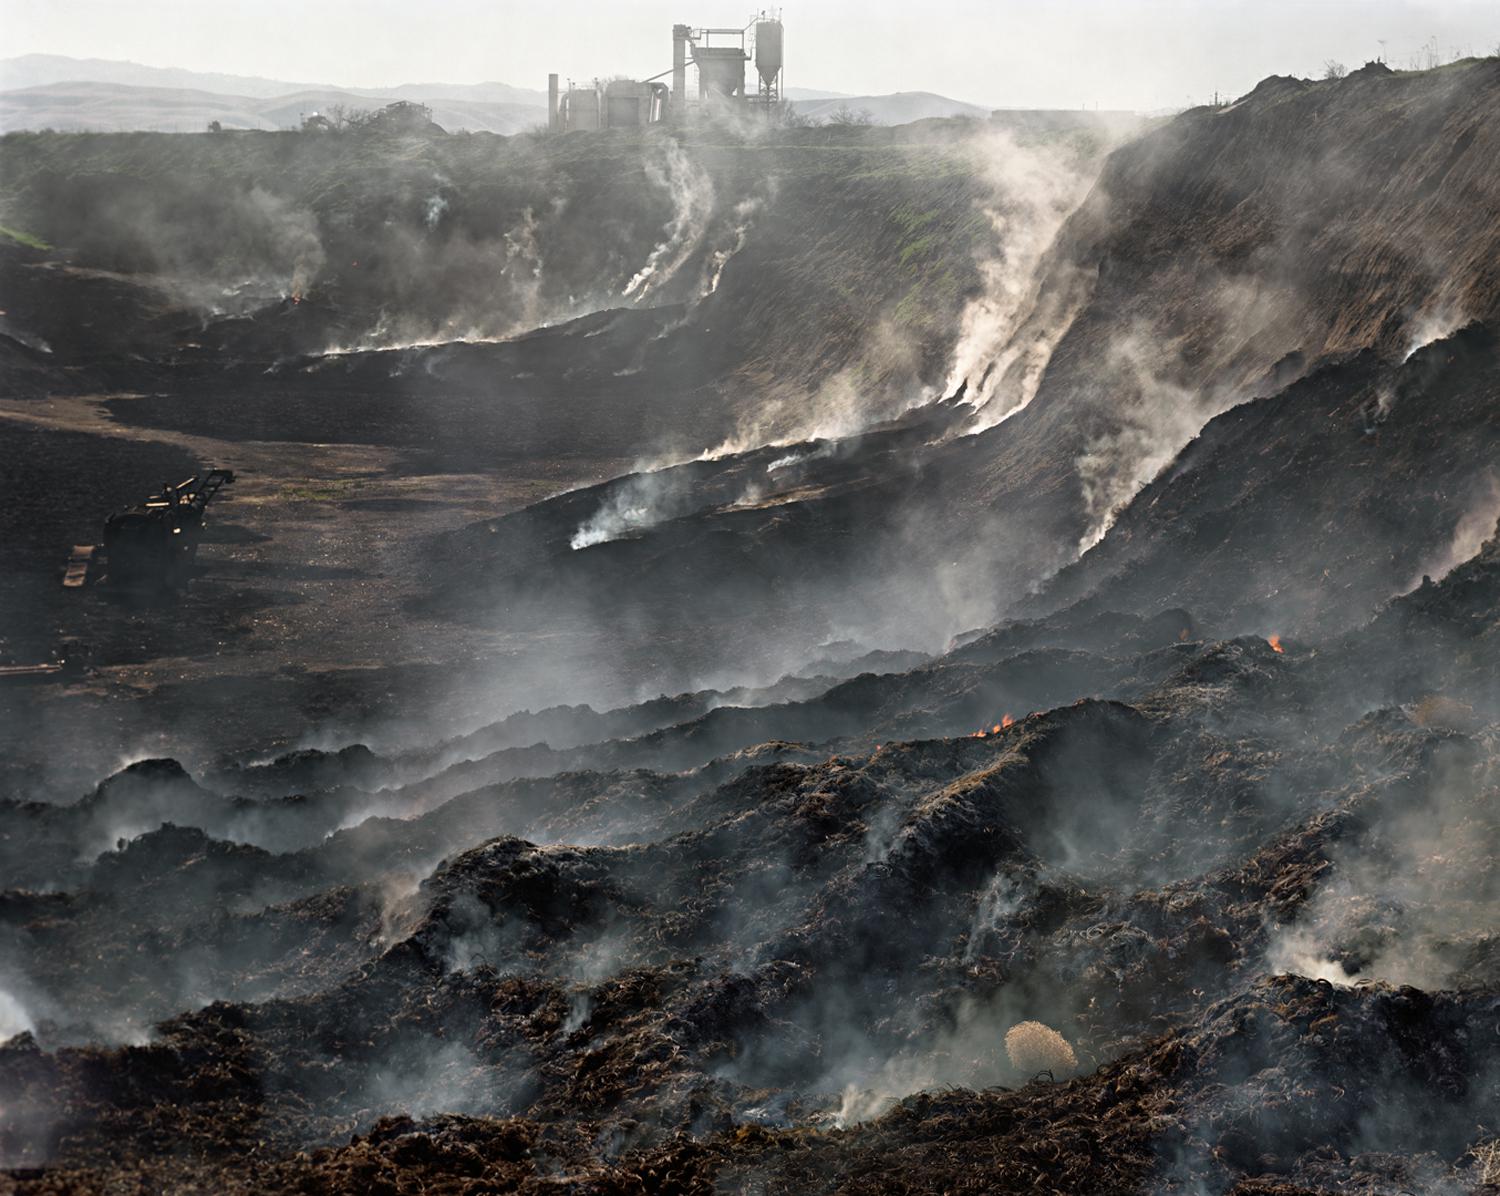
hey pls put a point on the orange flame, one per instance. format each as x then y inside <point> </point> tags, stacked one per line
<point>1275,642</point>
<point>986,732</point>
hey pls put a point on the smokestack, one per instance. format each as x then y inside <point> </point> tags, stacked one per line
<point>552,102</point>
<point>680,36</point>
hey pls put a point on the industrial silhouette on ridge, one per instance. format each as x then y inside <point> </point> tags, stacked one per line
<point>720,68</point>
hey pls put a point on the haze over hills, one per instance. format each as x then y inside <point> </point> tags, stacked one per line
<point>40,70</point>
<point>49,91</point>
<point>118,108</point>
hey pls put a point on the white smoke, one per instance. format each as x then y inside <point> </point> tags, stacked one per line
<point>1001,900</point>
<point>1011,381</point>
<point>1474,527</point>
<point>639,502</point>
<point>523,267</point>
<point>692,193</point>
<point>515,307</point>
<point>1442,319</point>
<point>480,938</point>
<point>1153,412</point>
<point>846,403</point>
<point>1036,188</point>
<point>1157,419</point>
<point>1408,905</point>
<point>437,1076</point>
<point>14,1019</point>
<point>970,1054</point>
<point>295,231</point>
<point>795,458</point>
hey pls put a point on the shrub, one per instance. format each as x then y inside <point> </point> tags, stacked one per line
<point>1488,1158</point>
<point>1033,1047</point>
<point>1442,713</point>
<point>846,117</point>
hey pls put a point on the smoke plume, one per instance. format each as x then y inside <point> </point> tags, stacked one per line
<point>641,501</point>
<point>692,195</point>
<point>1035,189</point>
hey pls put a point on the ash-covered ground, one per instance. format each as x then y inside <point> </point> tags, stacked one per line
<point>959,658</point>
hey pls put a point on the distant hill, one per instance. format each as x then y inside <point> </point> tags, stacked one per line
<point>41,70</point>
<point>117,107</point>
<point>898,108</point>
<point>812,93</point>
<point>50,91</point>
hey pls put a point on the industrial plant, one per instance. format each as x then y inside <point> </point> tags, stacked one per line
<point>718,57</point>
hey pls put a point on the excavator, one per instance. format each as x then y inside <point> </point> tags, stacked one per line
<point>153,544</point>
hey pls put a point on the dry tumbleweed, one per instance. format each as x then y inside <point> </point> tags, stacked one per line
<point>1033,1048</point>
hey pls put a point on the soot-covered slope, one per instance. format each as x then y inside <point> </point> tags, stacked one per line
<point>1308,230</point>
<point>1305,510</point>
<point>1218,258</point>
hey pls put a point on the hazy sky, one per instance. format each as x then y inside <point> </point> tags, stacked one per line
<point>1142,54</point>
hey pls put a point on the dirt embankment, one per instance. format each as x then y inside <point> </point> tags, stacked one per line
<point>1192,280</point>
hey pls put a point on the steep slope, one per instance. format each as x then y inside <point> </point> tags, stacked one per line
<point>1219,257</point>
<point>424,241</point>
<point>1221,254</point>
<point>1306,510</point>
<point>391,337</point>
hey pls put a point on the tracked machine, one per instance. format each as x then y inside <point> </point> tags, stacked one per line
<point>153,544</point>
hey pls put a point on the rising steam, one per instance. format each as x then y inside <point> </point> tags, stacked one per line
<point>14,1018</point>
<point>1436,322</point>
<point>1035,189</point>
<point>692,195</point>
<point>744,216</point>
<point>1157,418</point>
<point>641,501</point>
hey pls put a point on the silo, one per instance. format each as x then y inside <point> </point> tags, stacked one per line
<point>768,54</point>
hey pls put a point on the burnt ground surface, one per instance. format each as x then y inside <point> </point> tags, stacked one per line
<point>737,971</point>
<point>773,908</point>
